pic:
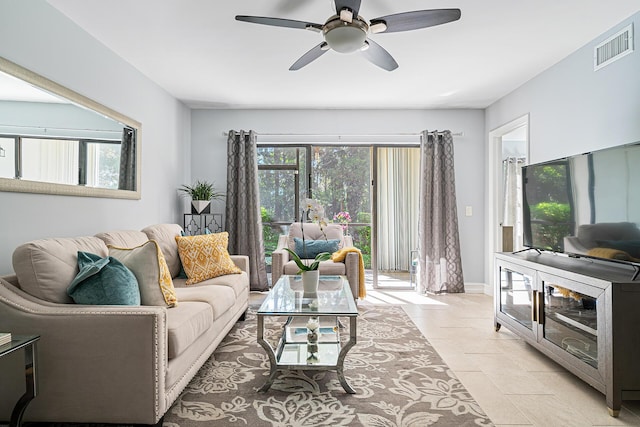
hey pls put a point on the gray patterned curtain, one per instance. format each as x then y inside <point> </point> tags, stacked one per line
<point>127,178</point>
<point>440,264</point>
<point>243,220</point>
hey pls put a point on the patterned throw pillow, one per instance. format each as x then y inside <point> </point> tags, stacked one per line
<point>150,268</point>
<point>103,281</point>
<point>205,256</point>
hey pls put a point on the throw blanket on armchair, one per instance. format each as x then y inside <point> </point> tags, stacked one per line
<point>341,254</point>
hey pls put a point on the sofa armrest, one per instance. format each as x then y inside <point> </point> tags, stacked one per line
<point>242,262</point>
<point>92,359</point>
<point>279,258</point>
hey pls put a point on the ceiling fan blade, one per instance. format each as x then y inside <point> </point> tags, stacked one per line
<point>278,22</point>
<point>377,55</point>
<point>407,21</point>
<point>353,5</point>
<point>310,56</point>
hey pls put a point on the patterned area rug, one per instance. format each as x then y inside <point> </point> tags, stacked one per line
<point>399,378</point>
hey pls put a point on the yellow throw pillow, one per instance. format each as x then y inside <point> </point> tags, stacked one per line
<point>150,268</point>
<point>205,256</point>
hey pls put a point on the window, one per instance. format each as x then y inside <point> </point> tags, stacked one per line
<point>92,163</point>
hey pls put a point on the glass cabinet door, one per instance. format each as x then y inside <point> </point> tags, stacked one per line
<point>516,296</point>
<point>570,322</point>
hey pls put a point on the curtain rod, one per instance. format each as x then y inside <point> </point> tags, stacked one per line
<point>378,135</point>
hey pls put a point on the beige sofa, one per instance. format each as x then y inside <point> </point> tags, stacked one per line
<point>110,364</point>
<point>283,264</point>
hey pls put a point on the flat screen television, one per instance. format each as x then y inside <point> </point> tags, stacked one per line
<point>585,205</point>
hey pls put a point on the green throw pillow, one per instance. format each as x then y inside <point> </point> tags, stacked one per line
<point>103,281</point>
<point>312,248</point>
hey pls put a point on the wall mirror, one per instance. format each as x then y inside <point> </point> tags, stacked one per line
<point>56,141</point>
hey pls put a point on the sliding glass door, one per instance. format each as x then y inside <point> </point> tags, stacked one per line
<point>371,190</point>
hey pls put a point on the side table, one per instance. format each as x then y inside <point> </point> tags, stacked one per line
<point>28,343</point>
<point>196,223</point>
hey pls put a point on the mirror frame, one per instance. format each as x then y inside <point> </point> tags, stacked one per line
<point>26,186</point>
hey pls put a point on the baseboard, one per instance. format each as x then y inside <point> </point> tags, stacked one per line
<point>474,288</point>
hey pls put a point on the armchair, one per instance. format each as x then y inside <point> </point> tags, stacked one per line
<point>282,263</point>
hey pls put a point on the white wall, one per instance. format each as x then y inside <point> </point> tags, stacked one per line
<point>36,36</point>
<point>573,109</point>
<point>209,151</point>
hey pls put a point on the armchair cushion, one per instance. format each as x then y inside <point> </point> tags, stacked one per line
<point>326,268</point>
<point>309,249</point>
<point>312,231</point>
<point>103,281</point>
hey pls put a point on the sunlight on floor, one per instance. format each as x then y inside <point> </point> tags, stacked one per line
<point>383,297</point>
<point>395,288</point>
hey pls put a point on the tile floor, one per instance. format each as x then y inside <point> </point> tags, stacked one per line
<point>514,383</point>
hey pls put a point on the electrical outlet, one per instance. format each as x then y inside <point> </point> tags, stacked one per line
<point>468,211</point>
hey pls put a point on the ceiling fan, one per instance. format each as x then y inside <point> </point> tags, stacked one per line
<point>347,32</point>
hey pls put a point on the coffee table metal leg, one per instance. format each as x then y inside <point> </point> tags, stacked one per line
<point>270,353</point>
<point>31,386</point>
<point>343,354</point>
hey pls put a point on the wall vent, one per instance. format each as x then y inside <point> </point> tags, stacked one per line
<point>613,48</point>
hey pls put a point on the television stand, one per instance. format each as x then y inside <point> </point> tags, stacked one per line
<point>580,313</point>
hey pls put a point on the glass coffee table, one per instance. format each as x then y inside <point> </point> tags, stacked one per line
<point>294,350</point>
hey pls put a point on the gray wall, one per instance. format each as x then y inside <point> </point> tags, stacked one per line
<point>573,109</point>
<point>62,52</point>
<point>209,151</point>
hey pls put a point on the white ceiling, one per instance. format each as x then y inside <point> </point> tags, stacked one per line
<point>200,54</point>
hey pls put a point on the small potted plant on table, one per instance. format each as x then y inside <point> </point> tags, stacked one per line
<point>201,193</point>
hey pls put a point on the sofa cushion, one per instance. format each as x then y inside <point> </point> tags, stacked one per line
<point>148,265</point>
<point>103,281</point>
<point>123,238</point>
<point>165,235</point>
<point>326,267</point>
<point>185,324</point>
<point>311,248</point>
<point>46,267</point>
<point>205,256</point>
<point>220,298</point>
<point>238,282</point>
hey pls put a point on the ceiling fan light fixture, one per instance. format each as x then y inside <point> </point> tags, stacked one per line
<point>346,15</point>
<point>378,27</point>
<point>344,37</point>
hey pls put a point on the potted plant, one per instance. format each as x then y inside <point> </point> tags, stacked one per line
<point>310,274</point>
<point>201,193</point>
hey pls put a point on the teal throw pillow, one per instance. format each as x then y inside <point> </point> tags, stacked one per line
<point>103,281</point>
<point>312,248</point>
